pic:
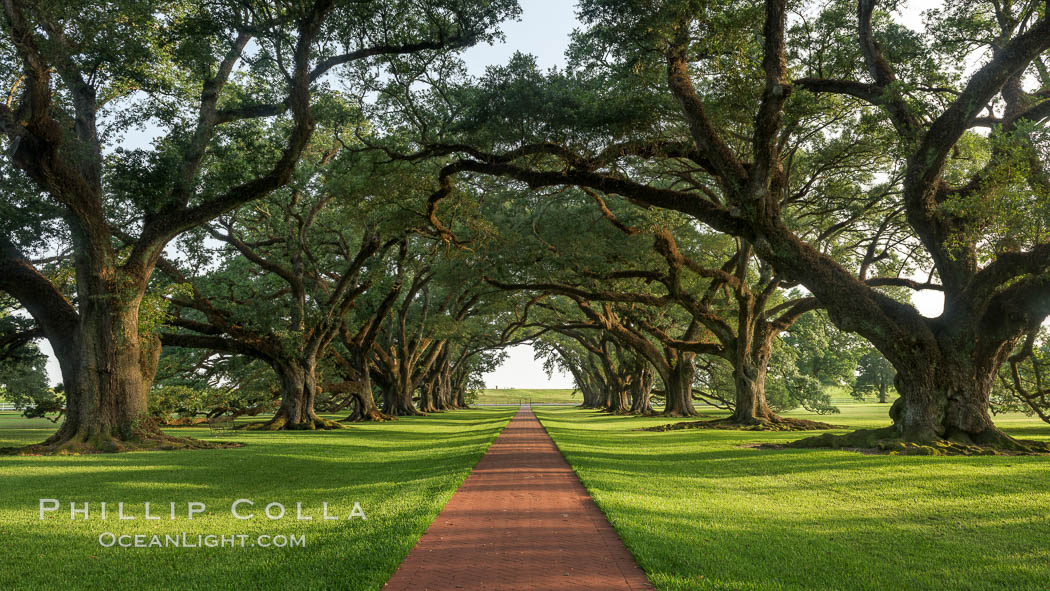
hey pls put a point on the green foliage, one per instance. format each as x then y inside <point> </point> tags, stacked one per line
<point>789,388</point>
<point>875,377</point>
<point>169,402</point>
<point>823,352</point>
<point>24,382</point>
<point>23,366</point>
<point>1023,384</point>
<point>199,382</point>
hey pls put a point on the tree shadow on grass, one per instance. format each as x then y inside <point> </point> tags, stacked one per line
<point>699,513</point>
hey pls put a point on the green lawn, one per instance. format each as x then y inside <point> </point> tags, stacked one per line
<point>516,396</point>
<point>701,512</point>
<point>401,473</point>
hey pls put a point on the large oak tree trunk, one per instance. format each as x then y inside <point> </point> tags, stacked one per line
<point>585,383</point>
<point>641,394</point>
<point>111,392</point>
<point>367,409</point>
<point>678,387</point>
<point>402,404</point>
<point>427,397</point>
<point>458,384</point>
<point>397,401</point>
<point>447,397</point>
<point>588,396</point>
<point>616,401</point>
<point>107,371</point>
<point>751,407</point>
<point>943,405</point>
<point>298,381</point>
<point>948,398</point>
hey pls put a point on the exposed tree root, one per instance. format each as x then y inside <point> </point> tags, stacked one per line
<point>406,412</point>
<point>86,442</point>
<point>890,441</point>
<point>281,423</point>
<point>628,413</point>
<point>678,413</point>
<point>372,416</point>
<point>186,422</point>
<point>777,424</point>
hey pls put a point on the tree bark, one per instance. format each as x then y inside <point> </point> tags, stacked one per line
<point>641,392</point>
<point>678,387</point>
<point>943,406</point>
<point>107,371</point>
<point>616,401</point>
<point>298,381</point>
<point>427,396</point>
<point>367,409</point>
<point>397,401</point>
<point>749,375</point>
<point>107,392</point>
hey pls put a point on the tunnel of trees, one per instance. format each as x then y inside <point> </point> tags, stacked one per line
<point>285,210</point>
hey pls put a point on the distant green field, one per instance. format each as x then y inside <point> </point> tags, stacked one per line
<point>514,396</point>
<point>401,472</point>
<point>839,397</point>
<point>700,511</point>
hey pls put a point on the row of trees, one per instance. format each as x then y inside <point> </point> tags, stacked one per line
<point>827,143</point>
<point>720,204</point>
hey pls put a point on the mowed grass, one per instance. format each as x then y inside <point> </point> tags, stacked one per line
<point>516,396</point>
<point>699,511</point>
<point>401,473</point>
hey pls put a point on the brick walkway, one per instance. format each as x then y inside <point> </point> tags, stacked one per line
<point>521,521</point>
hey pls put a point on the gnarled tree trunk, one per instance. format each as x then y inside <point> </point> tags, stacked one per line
<point>678,387</point>
<point>749,375</point>
<point>366,408</point>
<point>107,371</point>
<point>427,395</point>
<point>641,389</point>
<point>298,381</point>
<point>397,401</point>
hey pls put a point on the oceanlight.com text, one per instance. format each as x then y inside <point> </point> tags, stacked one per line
<point>188,540</point>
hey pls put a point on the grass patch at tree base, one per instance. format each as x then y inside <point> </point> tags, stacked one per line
<point>888,440</point>
<point>781,424</point>
<point>149,438</point>
<point>281,423</point>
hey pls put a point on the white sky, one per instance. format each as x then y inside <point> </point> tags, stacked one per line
<point>544,31</point>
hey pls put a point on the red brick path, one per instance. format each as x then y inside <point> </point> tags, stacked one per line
<point>521,521</point>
